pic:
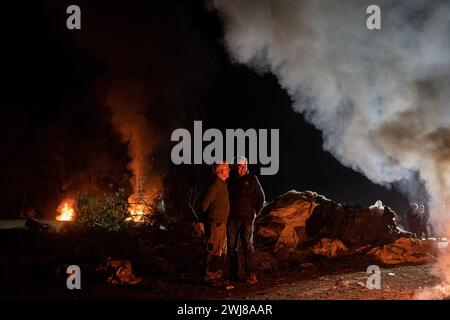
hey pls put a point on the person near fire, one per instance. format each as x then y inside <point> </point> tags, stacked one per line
<point>216,205</point>
<point>246,201</point>
<point>417,220</point>
<point>423,221</point>
<point>412,217</point>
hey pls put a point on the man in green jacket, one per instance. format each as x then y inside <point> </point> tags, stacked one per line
<point>217,206</point>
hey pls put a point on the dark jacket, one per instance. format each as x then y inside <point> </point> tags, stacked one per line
<point>246,197</point>
<point>216,202</point>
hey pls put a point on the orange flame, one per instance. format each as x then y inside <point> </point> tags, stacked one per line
<point>137,213</point>
<point>140,207</point>
<point>66,211</point>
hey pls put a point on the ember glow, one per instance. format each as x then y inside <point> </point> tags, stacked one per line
<point>66,211</point>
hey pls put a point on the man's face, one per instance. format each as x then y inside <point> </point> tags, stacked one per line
<point>223,171</point>
<point>241,169</point>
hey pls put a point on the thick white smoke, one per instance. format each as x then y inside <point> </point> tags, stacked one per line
<point>380,97</point>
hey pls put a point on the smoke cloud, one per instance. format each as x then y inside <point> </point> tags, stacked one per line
<point>128,103</point>
<point>380,97</point>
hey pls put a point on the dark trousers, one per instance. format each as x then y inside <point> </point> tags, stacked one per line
<point>241,230</point>
<point>216,249</point>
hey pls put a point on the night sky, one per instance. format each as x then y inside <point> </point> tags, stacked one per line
<point>56,134</point>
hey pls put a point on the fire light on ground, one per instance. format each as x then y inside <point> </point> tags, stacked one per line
<point>441,291</point>
<point>66,211</point>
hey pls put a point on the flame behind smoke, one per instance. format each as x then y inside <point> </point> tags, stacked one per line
<point>128,104</point>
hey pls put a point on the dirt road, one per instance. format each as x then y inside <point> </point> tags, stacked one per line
<point>345,279</point>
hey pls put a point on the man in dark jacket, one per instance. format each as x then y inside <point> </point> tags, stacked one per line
<point>246,202</point>
<point>217,206</point>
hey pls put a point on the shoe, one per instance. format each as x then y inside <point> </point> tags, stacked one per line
<point>251,279</point>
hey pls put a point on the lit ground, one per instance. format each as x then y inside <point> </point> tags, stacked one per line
<point>332,282</point>
<point>343,278</point>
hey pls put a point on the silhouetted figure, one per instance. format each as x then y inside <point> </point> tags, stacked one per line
<point>417,221</point>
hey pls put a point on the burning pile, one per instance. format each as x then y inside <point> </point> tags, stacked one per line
<point>127,101</point>
<point>66,211</point>
<point>141,207</point>
<point>137,212</point>
<point>92,211</point>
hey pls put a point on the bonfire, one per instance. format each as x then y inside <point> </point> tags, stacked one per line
<point>66,211</point>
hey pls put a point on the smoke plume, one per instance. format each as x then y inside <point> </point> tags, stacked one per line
<point>380,97</point>
<point>128,103</point>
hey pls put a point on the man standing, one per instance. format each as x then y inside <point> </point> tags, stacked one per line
<point>246,200</point>
<point>414,221</point>
<point>423,221</point>
<point>216,204</point>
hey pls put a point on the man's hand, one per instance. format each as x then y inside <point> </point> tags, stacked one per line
<point>199,229</point>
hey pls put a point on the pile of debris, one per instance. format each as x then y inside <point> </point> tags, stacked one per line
<point>355,226</point>
<point>119,272</point>
<point>308,222</point>
<point>406,250</point>
<point>284,219</point>
<point>329,248</point>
